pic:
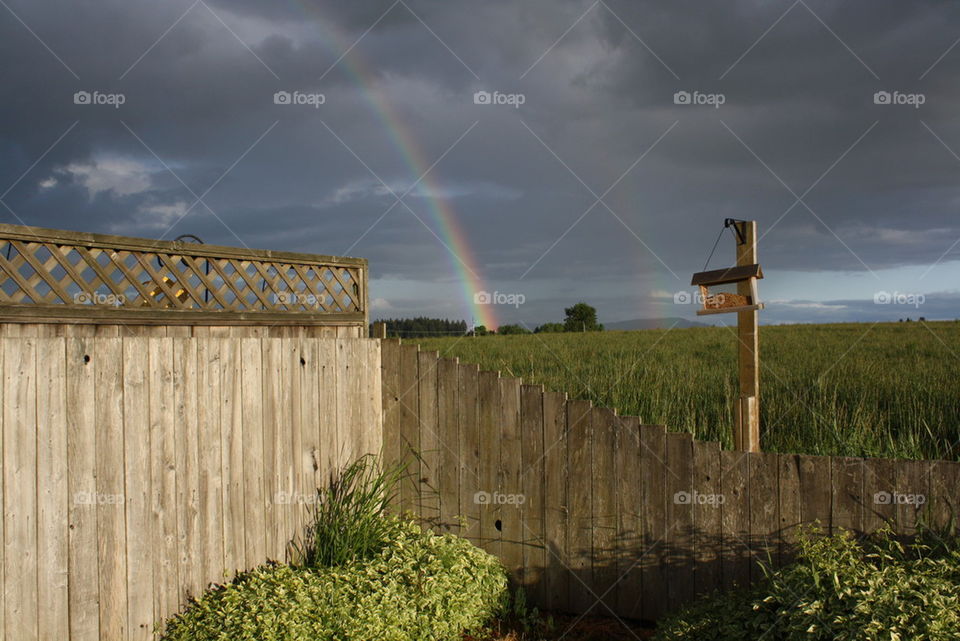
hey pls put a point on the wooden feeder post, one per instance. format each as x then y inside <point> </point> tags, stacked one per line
<point>747,434</point>
<point>746,304</point>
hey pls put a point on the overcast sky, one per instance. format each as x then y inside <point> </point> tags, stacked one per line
<point>587,182</point>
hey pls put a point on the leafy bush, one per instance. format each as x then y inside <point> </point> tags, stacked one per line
<point>420,586</point>
<point>347,522</point>
<point>839,588</point>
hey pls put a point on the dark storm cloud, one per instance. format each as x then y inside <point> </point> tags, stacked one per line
<point>798,114</point>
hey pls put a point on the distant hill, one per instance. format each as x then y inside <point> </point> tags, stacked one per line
<point>653,323</point>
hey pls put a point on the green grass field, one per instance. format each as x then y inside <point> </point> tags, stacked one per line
<point>888,390</point>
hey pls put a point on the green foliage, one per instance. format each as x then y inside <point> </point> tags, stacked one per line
<point>840,589</point>
<point>888,390</point>
<point>581,318</point>
<point>481,330</point>
<point>550,328</point>
<point>347,521</point>
<point>418,587</point>
<point>504,330</point>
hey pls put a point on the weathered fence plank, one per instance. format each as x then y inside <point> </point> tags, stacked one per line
<point>556,499</point>
<point>469,459</point>
<point>81,472</point>
<point>137,490</point>
<point>679,538</point>
<point>629,526</point>
<point>52,491</point>
<point>233,458</point>
<point>163,477</point>
<point>789,508</point>
<point>408,393</point>
<point>604,507</point>
<point>580,522</point>
<point>449,442</point>
<point>428,406</point>
<point>390,377</point>
<point>20,490</point>
<point>707,516</point>
<point>848,493</point>
<point>653,471</point>
<point>735,517</point>
<point>509,477</point>
<point>532,510</point>
<point>764,517</point>
<point>879,485</point>
<point>255,500</point>
<point>816,493</point>
<point>489,426</point>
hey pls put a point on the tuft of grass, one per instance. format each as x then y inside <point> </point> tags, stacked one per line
<point>348,521</point>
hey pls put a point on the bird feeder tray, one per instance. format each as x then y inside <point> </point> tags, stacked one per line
<point>723,303</point>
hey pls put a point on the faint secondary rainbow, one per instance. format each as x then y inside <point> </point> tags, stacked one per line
<point>448,228</point>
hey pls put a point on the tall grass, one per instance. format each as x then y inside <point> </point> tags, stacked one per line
<point>889,390</point>
<point>349,520</point>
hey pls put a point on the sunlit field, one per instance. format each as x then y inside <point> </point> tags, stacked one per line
<point>889,390</point>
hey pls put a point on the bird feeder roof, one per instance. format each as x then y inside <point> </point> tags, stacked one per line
<point>728,275</point>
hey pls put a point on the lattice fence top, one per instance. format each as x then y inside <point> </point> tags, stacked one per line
<point>46,272</point>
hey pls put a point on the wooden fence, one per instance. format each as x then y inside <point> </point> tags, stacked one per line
<point>594,512</point>
<point>136,470</point>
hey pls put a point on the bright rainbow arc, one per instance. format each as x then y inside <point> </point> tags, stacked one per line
<point>461,257</point>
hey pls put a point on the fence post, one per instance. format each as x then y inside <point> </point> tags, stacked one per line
<point>379,329</point>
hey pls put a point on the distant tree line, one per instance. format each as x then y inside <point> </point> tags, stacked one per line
<point>579,318</point>
<point>423,327</point>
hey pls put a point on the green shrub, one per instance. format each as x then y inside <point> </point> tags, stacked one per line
<point>347,520</point>
<point>839,588</point>
<point>419,586</point>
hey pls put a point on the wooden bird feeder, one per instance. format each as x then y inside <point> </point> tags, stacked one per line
<point>742,279</point>
<point>725,302</point>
